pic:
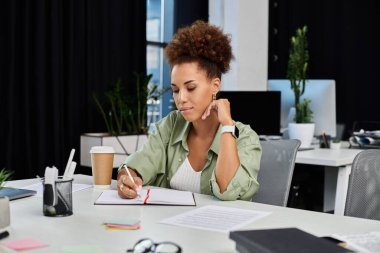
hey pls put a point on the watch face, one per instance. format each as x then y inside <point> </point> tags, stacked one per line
<point>236,132</point>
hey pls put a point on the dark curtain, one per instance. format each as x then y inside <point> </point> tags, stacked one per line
<point>344,45</point>
<point>53,55</point>
<point>188,11</point>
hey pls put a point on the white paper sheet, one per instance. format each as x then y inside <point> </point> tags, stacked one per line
<point>366,243</point>
<point>156,196</point>
<point>38,188</point>
<point>111,197</point>
<point>216,218</point>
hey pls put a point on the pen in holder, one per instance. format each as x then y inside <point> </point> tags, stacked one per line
<point>324,141</point>
<point>57,197</point>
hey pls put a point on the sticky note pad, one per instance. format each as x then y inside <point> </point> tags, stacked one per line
<point>122,227</point>
<point>82,249</point>
<point>122,221</point>
<point>25,244</point>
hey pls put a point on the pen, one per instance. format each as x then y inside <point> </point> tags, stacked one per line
<point>131,178</point>
<point>69,163</point>
<point>70,173</point>
<point>325,141</point>
<point>4,234</point>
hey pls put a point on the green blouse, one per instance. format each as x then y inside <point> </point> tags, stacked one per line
<point>166,149</point>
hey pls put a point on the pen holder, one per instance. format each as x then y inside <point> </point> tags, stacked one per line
<point>57,198</point>
<point>324,141</point>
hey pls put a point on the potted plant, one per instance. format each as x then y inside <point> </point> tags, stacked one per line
<point>302,128</point>
<point>4,201</point>
<point>125,117</point>
<point>335,143</point>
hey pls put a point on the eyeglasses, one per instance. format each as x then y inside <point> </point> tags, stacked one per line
<point>149,246</point>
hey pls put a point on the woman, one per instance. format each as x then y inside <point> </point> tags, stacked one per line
<point>199,147</point>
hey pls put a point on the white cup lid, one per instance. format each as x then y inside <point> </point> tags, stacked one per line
<point>102,149</point>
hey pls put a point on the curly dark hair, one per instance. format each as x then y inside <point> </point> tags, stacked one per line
<point>203,43</point>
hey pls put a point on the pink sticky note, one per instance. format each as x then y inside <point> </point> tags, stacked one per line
<point>25,244</point>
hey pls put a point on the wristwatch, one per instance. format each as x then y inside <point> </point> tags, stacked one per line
<point>231,129</point>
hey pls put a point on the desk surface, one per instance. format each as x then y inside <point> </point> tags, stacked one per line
<point>327,157</point>
<point>84,226</point>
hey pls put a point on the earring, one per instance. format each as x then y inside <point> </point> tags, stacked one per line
<point>214,96</point>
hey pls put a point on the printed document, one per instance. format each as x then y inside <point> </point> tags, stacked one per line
<point>366,243</point>
<point>216,218</point>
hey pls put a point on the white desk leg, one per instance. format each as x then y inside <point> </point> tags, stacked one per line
<point>331,175</point>
<point>341,189</point>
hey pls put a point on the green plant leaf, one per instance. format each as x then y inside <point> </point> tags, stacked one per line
<point>5,175</point>
<point>126,113</point>
<point>297,74</point>
<point>101,110</point>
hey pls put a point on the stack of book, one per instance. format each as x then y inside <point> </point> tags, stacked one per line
<point>284,240</point>
<point>365,139</point>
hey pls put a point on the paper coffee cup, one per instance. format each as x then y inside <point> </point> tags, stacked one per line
<point>102,166</point>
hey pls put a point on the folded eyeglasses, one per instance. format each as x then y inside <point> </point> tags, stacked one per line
<point>148,246</point>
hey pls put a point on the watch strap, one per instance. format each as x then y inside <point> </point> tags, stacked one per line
<point>228,129</point>
<point>231,129</point>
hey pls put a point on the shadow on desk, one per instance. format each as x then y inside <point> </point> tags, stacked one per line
<point>307,186</point>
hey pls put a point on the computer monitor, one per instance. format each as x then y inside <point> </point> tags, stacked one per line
<point>259,109</point>
<point>322,96</point>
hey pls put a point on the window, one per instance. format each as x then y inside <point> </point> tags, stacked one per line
<point>159,31</point>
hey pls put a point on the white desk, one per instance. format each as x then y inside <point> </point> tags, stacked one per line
<point>337,172</point>
<point>84,226</point>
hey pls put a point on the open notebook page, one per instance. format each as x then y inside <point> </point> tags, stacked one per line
<point>156,196</point>
<point>170,197</point>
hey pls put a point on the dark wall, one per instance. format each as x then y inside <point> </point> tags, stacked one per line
<point>53,55</point>
<point>344,45</point>
<point>188,11</point>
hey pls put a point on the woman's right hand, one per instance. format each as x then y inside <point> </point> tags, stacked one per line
<point>125,187</point>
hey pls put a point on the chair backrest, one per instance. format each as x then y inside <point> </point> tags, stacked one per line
<point>340,127</point>
<point>276,171</point>
<point>363,194</point>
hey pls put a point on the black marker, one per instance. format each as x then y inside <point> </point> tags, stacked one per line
<point>4,234</point>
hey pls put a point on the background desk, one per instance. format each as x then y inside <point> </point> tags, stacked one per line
<point>337,171</point>
<point>84,226</point>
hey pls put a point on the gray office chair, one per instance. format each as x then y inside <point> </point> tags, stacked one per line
<point>363,194</point>
<point>276,171</point>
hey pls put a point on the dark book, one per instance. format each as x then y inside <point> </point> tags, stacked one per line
<point>284,240</point>
<point>15,193</point>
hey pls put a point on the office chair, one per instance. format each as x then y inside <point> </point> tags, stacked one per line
<point>363,192</point>
<point>276,171</point>
<point>340,127</point>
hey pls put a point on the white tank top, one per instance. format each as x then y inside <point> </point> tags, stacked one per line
<point>186,178</point>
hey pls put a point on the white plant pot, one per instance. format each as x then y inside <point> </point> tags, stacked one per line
<point>303,132</point>
<point>123,145</point>
<point>335,145</point>
<point>5,216</point>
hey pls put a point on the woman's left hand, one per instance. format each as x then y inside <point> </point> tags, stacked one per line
<point>222,107</point>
